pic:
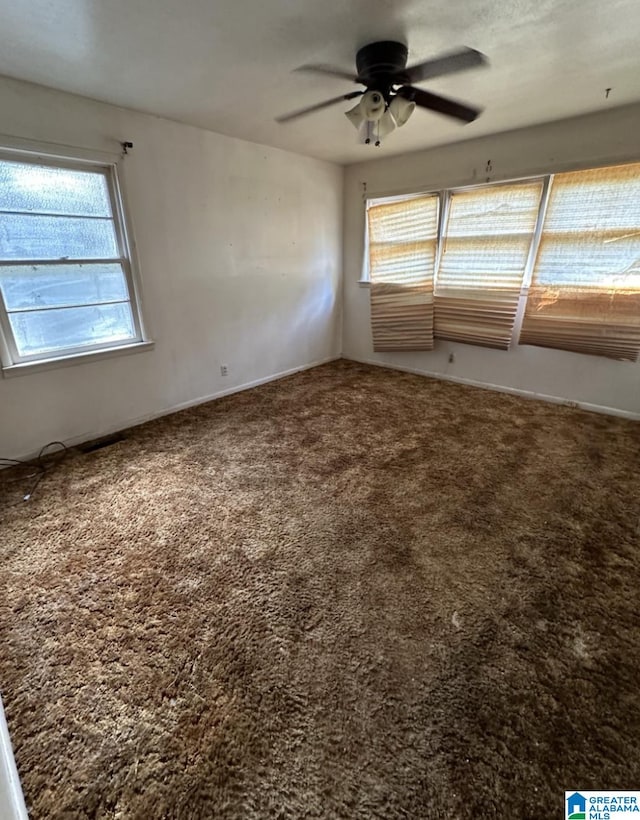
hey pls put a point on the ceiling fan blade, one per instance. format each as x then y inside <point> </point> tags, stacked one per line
<point>311,108</point>
<point>460,60</point>
<point>327,69</point>
<point>452,108</point>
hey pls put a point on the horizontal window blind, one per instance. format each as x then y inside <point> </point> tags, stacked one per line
<point>402,252</point>
<point>487,240</point>
<point>585,291</point>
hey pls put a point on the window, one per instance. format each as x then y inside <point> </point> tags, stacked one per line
<point>585,291</point>
<point>487,237</point>
<point>66,284</point>
<point>402,252</point>
<point>576,236</point>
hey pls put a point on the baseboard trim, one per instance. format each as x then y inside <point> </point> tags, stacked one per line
<point>74,441</point>
<point>12,805</point>
<point>237,389</point>
<point>514,391</point>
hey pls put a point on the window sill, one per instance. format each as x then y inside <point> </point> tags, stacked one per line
<point>77,358</point>
<point>364,283</point>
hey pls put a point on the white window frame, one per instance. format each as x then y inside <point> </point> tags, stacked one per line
<point>95,162</point>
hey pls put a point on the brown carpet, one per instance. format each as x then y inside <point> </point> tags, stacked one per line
<point>353,593</point>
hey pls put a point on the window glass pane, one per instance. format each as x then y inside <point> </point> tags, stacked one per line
<point>589,260</point>
<point>488,236</point>
<point>483,263</point>
<point>402,240</point>
<point>393,223</point>
<point>49,331</point>
<point>27,187</point>
<point>24,236</point>
<point>404,264</point>
<point>604,199</point>
<point>495,210</point>
<point>31,286</point>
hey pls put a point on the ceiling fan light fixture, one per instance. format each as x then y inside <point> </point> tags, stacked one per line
<point>372,105</point>
<point>386,124</point>
<point>401,109</point>
<point>354,115</point>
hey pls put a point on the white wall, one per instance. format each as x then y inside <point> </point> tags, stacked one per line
<point>12,806</point>
<point>599,138</point>
<point>240,254</point>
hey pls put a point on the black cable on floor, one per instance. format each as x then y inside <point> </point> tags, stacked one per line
<point>42,464</point>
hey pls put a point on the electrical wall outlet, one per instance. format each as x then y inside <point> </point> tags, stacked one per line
<point>224,370</point>
<point>452,358</point>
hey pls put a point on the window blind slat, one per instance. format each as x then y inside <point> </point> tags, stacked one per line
<point>585,290</point>
<point>402,251</point>
<point>478,282</point>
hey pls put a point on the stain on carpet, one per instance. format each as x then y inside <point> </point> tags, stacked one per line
<point>353,593</point>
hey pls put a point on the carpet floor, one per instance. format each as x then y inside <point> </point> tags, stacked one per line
<point>352,593</point>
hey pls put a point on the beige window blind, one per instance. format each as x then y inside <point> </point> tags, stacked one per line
<point>486,246</point>
<point>402,251</point>
<point>585,291</point>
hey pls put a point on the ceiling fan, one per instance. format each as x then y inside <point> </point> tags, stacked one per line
<point>389,96</point>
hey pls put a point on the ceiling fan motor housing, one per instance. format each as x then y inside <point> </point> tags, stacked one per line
<point>378,65</point>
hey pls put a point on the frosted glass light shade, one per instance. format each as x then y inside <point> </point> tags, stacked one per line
<point>386,124</point>
<point>372,105</point>
<point>401,109</point>
<point>354,115</point>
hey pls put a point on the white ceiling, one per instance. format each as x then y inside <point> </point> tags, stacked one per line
<point>227,65</point>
